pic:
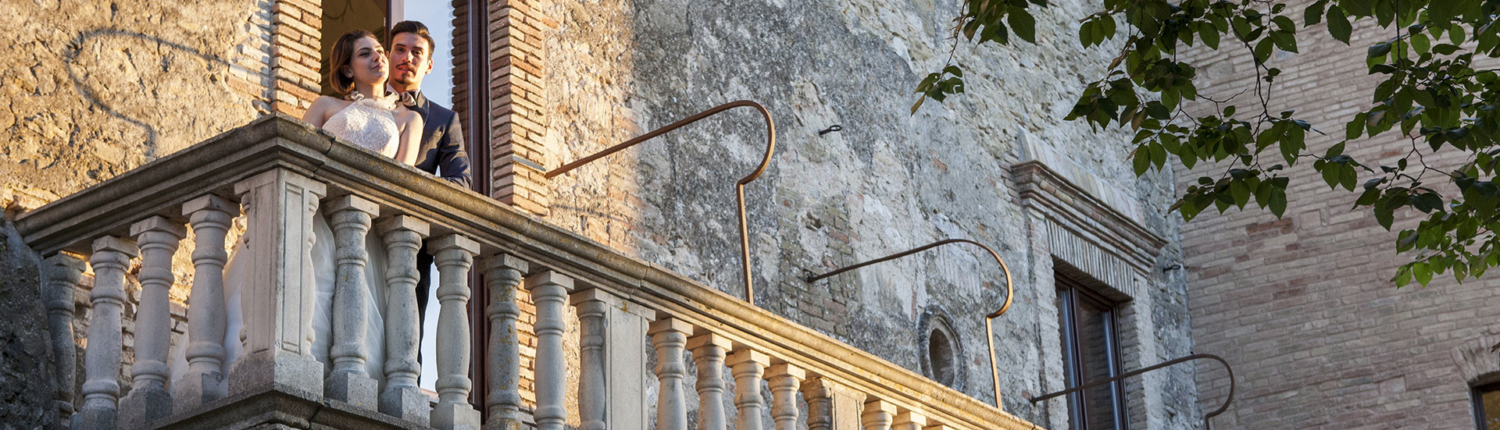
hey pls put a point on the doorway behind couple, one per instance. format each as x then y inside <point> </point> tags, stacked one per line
<point>377,16</point>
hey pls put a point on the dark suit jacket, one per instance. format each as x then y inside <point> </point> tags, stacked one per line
<point>442,143</point>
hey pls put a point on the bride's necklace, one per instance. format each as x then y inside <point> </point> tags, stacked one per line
<point>387,103</point>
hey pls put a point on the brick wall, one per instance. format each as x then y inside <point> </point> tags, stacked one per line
<point>516,118</point>
<point>1303,306</point>
<point>296,37</point>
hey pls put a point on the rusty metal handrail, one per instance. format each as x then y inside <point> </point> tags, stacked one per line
<point>1206,417</point>
<point>739,187</point>
<point>988,329</point>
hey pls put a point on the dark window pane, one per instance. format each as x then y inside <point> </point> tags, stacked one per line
<point>1094,342</point>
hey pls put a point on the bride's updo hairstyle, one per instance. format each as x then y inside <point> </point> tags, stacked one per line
<point>342,55</point>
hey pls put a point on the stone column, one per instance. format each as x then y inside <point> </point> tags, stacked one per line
<point>592,390</point>
<point>748,366</point>
<point>278,289</point>
<point>101,389</point>
<point>669,336</point>
<point>910,420</point>
<point>349,382</point>
<point>549,290</point>
<point>878,415</point>
<point>148,399</point>
<point>616,385</point>
<point>832,405</point>
<point>708,354</point>
<point>63,272</point>
<point>504,275</point>
<point>204,381</point>
<point>402,236</point>
<point>454,255</point>
<point>784,379</point>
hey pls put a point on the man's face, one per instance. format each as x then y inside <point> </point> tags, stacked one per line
<point>411,60</point>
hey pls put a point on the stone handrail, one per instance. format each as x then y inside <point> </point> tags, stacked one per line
<point>280,168</point>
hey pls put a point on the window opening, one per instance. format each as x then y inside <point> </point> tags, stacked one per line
<point>1091,351</point>
<point>1487,406</point>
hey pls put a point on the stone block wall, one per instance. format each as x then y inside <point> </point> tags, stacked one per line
<point>1303,306</point>
<point>889,181</point>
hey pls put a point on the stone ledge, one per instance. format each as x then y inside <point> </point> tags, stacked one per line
<point>279,405</point>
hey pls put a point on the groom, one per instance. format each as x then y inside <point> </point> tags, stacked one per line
<point>442,137</point>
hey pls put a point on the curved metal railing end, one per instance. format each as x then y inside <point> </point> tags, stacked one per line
<point>739,186</point>
<point>988,328</point>
<point>1206,416</point>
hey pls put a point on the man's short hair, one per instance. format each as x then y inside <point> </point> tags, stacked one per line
<point>416,28</point>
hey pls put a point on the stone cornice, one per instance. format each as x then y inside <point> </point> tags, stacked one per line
<point>1061,199</point>
<point>279,141</point>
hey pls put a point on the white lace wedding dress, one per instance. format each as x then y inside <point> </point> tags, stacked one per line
<point>368,124</point>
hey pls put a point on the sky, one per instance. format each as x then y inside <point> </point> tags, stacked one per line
<point>438,87</point>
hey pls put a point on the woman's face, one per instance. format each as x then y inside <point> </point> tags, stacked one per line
<point>369,63</point>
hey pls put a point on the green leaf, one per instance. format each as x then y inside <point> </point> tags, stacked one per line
<point>1158,156</point>
<point>1441,11</point>
<point>1022,23</point>
<point>1338,24</point>
<point>1278,202</point>
<point>1445,49</point>
<point>1422,43</point>
<point>1336,150</point>
<point>1403,276</point>
<point>1422,273</point>
<point>1347,176</point>
<point>1263,50</point>
<point>1314,13</point>
<point>1378,50</point>
<point>1210,35</point>
<point>1241,193</point>
<point>1142,160</point>
<point>1330,174</point>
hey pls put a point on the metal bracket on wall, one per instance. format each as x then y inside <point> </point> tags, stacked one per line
<point>739,187</point>
<point>1206,417</point>
<point>988,329</point>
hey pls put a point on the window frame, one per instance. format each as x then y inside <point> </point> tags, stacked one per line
<point>1476,395</point>
<point>1070,293</point>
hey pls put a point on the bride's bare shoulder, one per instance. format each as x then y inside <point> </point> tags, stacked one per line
<point>322,108</point>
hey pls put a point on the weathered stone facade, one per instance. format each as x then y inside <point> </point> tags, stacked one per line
<point>1303,306</point>
<point>887,182</point>
<point>611,70</point>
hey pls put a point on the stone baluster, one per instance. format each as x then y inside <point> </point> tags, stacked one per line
<point>910,420</point>
<point>748,366</point>
<point>278,292</point>
<point>349,381</point>
<point>612,389</point>
<point>708,353</point>
<point>504,275</point>
<point>454,255</point>
<point>101,388</point>
<point>670,336</point>
<point>550,292</point>
<point>784,379</point>
<point>878,415</point>
<point>204,381</point>
<point>592,388</point>
<point>63,272</point>
<point>148,399</point>
<point>831,405</point>
<point>401,398</point>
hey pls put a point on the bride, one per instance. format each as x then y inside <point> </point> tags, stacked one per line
<point>367,117</point>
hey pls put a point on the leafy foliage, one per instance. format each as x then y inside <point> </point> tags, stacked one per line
<point>1431,92</point>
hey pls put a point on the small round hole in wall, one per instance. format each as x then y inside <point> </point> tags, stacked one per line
<point>942,349</point>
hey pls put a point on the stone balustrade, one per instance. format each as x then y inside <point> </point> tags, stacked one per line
<point>282,173</point>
